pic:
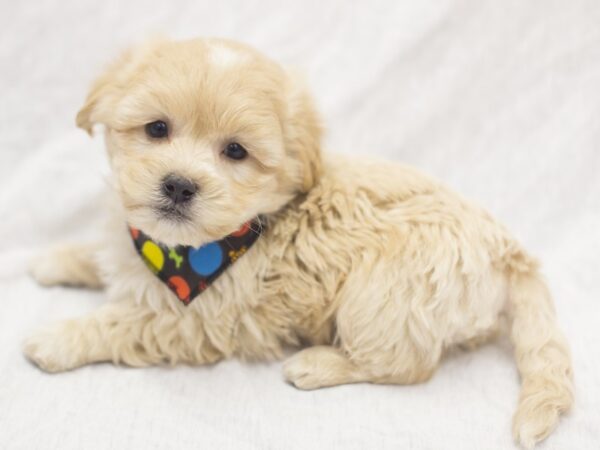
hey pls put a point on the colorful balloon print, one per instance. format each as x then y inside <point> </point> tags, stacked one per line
<point>154,255</point>
<point>181,288</point>
<point>242,231</point>
<point>206,259</point>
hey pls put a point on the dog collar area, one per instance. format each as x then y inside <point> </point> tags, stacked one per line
<point>188,271</point>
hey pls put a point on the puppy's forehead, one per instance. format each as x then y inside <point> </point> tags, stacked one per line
<point>208,54</point>
<point>209,81</point>
<point>223,56</point>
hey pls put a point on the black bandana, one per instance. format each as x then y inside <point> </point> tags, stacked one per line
<point>188,270</point>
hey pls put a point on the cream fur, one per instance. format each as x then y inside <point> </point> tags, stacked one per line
<point>376,267</point>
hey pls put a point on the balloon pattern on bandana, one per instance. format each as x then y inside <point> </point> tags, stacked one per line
<point>188,271</point>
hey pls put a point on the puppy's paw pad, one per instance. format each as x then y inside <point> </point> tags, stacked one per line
<point>46,350</point>
<point>301,370</point>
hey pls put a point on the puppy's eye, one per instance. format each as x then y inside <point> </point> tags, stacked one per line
<point>235,151</point>
<point>157,130</point>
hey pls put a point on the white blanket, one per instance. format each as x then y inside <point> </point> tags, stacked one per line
<point>501,99</point>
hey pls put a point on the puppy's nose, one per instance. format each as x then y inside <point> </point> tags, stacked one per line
<point>178,189</point>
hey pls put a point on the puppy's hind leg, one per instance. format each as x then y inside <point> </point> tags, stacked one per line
<point>379,341</point>
<point>324,366</point>
<point>67,264</point>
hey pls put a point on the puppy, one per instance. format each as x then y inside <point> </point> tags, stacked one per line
<point>231,235</point>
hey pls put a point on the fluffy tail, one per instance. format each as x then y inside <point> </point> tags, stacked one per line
<point>542,357</point>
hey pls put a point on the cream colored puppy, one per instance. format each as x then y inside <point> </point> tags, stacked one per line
<point>377,267</point>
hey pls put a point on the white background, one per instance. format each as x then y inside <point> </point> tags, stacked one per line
<point>500,99</point>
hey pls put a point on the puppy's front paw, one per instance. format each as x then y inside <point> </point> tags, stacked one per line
<point>67,264</point>
<point>47,270</point>
<point>50,267</point>
<point>51,350</point>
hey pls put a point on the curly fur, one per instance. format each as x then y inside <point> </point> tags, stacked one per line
<point>378,268</point>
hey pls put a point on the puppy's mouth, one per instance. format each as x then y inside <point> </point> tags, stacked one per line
<point>172,213</point>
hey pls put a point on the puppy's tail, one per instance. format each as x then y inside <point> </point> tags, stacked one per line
<point>542,357</point>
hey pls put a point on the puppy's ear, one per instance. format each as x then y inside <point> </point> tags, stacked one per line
<point>108,88</point>
<point>303,132</point>
<point>103,89</point>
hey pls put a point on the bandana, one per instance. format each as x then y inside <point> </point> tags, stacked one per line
<point>188,271</point>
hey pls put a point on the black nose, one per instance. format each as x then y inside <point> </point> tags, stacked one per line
<point>178,189</point>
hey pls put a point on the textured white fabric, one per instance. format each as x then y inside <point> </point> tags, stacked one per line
<point>501,99</point>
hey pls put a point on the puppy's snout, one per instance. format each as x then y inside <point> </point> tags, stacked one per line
<point>178,189</point>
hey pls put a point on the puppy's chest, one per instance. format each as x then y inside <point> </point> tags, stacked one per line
<point>275,292</point>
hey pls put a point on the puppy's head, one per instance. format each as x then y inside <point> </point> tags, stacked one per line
<point>202,136</point>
